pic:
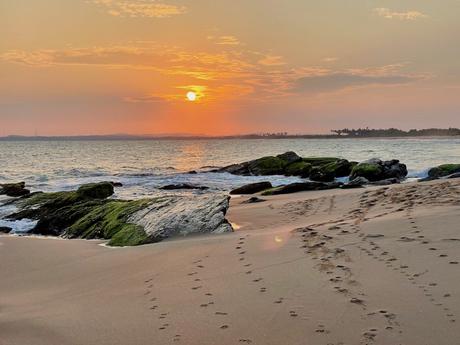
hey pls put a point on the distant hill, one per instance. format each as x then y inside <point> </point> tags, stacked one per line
<point>336,134</point>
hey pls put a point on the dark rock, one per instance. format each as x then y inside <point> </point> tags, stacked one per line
<point>357,182</point>
<point>301,187</point>
<point>264,166</point>
<point>253,200</point>
<point>14,189</point>
<point>329,171</point>
<point>99,190</point>
<point>5,229</point>
<point>192,172</point>
<point>183,186</point>
<point>301,168</point>
<point>117,184</point>
<point>455,175</point>
<point>290,157</point>
<point>444,170</point>
<point>377,170</point>
<point>386,182</point>
<point>252,188</point>
<point>427,179</point>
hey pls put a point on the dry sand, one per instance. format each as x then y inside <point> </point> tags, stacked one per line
<point>368,266</point>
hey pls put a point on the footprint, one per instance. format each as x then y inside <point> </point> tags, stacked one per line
<point>224,327</point>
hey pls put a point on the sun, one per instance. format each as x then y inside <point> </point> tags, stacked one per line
<point>191,96</point>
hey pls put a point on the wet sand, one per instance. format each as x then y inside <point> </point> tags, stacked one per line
<point>369,266</point>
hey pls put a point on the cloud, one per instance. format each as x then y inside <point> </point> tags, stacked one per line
<point>139,8</point>
<point>229,73</point>
<point>271,60</point>
<point>227,41</point>
<point>389,14</point>
<point>336,81</point>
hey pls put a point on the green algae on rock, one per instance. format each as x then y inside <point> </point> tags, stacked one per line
<point>444,170</point>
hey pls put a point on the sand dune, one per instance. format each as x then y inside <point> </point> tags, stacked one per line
<point>369,266</point>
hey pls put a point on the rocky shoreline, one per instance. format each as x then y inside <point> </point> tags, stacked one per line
<point>90,212</point>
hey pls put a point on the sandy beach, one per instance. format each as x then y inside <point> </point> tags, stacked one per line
<point>368,266</point>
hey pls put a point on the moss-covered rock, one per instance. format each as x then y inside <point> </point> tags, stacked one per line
<point>99,190</point>
<point>14,189</point>
<point>443,170</point>
<point>300,168</point>
<point>267,166</point>
<point>110,221</point>
<point>328,170</point>
<point>370,171</point>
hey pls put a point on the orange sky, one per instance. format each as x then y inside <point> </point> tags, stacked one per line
<point>115,66</point>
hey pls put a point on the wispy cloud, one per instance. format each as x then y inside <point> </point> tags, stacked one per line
<point>408,15</point>
<point>139,8</point>
<point>231,72</point>
<point>225,40</point>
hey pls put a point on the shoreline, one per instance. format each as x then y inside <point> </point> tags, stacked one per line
<point>333,266</point>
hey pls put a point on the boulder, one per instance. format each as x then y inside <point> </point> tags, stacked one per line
<point>331,170</point>
<point>269,165</point>
<point>357,182</point>
<point>182,186</point>
<point>14,189</point>
<point>253,200</point>
<point>301,187</point>
<point>443,170</point>
<point>5,229</point>
<point>386,182</point>
<point>455,175</point>
<point>117,184</point>
<point>290,157</point>
<point>85,213</point>
<point>183,215</point>
<point>301,168</point>
<point>377,170</point>
<point>252,188</point>
<point>99,190</point>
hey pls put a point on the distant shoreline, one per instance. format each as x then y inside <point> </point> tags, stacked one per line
<point>248,137</point>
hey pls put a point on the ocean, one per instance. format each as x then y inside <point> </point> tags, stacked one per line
<point>143,166</point>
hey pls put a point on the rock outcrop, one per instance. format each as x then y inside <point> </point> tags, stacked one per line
<point>443,170</point>
<point>183,186</point>
<point>357,182</point>
<point>301,187</point>
<point>14,189</point>
<point>324,169</point>
<point>88,213</point>
<point>377,170</point>
<point>183,215</point>
<point>252,188</point>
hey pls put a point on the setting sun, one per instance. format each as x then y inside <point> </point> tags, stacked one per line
<point>191,96</point>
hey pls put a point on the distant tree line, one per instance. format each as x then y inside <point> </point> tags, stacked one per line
<point>395,132</point>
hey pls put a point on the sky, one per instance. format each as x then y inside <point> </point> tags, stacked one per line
<point>79,67</point>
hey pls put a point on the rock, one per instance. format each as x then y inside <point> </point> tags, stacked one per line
<point>301,187</point>
<point>84,213</point>
<point>252,188</point>
<point>455,175</point>
<point>329,171</point>
<point>5,229</point>
<point>290,157</point>
<point>264,166</point>
<point>99,190</point>
<point>444,170</point>
<point>253,200</point>
<point>14,189</point>
<point>357,182</point>
<point>377,170</point>
<point>386,182</point>
<point>117,184</point>
<point>182,186</point>
<point>302,169</point>
<point>427,179</point>
<point>192,172</point>
<point>183,215</point>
